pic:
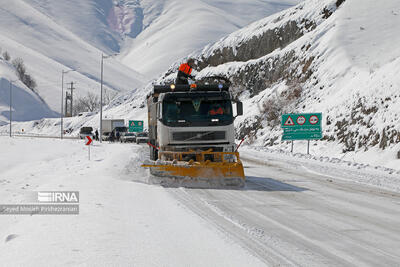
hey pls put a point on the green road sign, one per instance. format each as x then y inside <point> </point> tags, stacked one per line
<point>301,135</point>
<point>302,126</point>
<point>135,126</point>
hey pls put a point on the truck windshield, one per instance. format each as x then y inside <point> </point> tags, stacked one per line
<point>197,111</point>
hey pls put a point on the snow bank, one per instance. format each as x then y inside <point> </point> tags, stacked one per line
<point>120,222</point>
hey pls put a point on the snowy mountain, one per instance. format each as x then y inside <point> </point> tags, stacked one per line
<point>171,29</point>
<point>319,56</point>
<point>143,30</point>
<point>51,36</point>
<point>47,48</point>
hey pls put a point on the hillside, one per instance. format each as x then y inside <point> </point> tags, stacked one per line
<point>320,56</point>
<point>26,104</point>
<point>47,48</point>
<point>181,27</point>
<point>52,36</point>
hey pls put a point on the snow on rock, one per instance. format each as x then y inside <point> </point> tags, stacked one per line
<point>126,18</point>
<point>319,56</point>
<point>173,28</point>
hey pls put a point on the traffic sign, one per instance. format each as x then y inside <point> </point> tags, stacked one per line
<point>89,140</point>
<point>302,126</point>
<point>301,135</point>
<point>313,120</point>
<point>135,126</point>
<point>301,120</point>
<point>289,121</point>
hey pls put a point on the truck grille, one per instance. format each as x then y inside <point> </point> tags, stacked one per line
<point>198,136</point>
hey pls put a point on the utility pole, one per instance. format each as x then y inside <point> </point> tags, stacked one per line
<point>67,97</point>
<point>71,97</point>
<point>101,100</point>
<point>62,101</point>
<point>11,84</point>
<point>101,94</point>
<point>10,105</point>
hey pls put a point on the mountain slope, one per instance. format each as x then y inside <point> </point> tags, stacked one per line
<point>324,56</point>
<point>26,104</point>
<point>86,19</point>
<point>47,48</point>
<point>184,26</point>
<point>51,36</point>
<point>320,56</point>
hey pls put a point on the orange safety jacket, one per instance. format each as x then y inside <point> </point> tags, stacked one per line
<point>218,111</point>
<point>185,68</point>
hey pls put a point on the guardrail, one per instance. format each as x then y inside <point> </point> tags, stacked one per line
<point>37,135</point>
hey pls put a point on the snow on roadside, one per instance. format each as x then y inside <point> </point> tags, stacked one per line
<point>120,222</point>
<point>330,167</point>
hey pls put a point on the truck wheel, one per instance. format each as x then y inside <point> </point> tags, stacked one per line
<point>153,153</point>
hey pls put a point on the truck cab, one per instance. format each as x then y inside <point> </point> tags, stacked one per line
<point>183,118</point>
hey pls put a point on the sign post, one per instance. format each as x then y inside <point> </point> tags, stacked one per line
<point>89,140</point>
<point>305,126</point>
<point>135,126</point>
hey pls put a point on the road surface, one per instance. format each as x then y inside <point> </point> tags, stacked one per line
<point>298,218</point>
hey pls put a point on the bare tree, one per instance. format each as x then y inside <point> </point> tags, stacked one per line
<point>20,68</point>
<point>108,96</point>
<point>29,81</point>
<point>88,103</point>
<point>6,56</point>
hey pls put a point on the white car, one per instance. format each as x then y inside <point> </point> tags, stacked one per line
<point>127,137</point>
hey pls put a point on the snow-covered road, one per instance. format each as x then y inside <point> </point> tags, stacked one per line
<point>299,218</point>
<point>288,214</point>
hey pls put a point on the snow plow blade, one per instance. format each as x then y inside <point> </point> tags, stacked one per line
<point>224,172</point>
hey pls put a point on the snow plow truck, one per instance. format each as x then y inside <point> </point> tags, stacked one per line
<point>191,136</point>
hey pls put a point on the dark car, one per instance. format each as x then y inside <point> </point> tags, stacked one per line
<point>85,131</point>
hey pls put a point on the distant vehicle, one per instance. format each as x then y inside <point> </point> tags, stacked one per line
<point>86,114</point>
<point>142,138</point>
<point>128,137</point>
<point>85,131</point>
<point>118,131</point>
<point>105,136</point>
<point>110,125</point>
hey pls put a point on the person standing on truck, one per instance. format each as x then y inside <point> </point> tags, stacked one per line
<point>184,72</point>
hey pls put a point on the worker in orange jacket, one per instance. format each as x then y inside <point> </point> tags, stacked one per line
<point>185,70</point>
<point>216,110</point>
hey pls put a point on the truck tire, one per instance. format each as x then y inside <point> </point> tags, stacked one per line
<point>153,153</point>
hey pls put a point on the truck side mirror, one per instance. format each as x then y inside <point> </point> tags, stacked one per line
<point>158,111</point>
<point>239,108</point>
